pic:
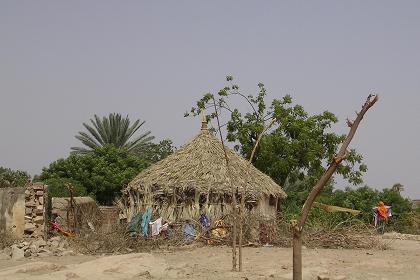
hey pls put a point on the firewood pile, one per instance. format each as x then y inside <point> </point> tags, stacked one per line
<point>347,235</point>
<point>351,234</point>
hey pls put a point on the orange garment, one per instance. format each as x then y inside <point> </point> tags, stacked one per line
<point>382,211</point>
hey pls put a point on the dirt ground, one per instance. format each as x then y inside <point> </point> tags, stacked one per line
<point>400,262</point>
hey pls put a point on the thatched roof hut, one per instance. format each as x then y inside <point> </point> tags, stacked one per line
<point>196,176</point>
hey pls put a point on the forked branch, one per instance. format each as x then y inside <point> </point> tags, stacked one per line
<point>297,226</point>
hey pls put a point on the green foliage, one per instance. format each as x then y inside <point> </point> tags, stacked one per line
<point>153,152</point>
<point>13,178</point>
<point>57,187</point>
<point>297,147</point>
<point>362,199</point>
<point>114,130</point>
<point>103,172</point>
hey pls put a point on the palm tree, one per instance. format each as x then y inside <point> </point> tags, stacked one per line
<point>113,130</point>
<point>397,188</point>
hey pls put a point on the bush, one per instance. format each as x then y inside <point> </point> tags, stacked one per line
<point>57,187</point>
<point>404,220</point>
<point>13,178</point>
<point>102,172</point>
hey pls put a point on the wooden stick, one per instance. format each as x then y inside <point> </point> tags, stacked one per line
<point>234,261</point>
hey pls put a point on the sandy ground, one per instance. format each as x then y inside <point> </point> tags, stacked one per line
<point>402,261</point>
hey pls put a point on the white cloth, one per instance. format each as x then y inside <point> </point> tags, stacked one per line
<point>156,226</point>
<point>164,227</point>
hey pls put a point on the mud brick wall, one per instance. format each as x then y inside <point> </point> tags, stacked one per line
<point>110,218</point>
<point>36,199</point>
<point>12,210</point>
<point>86,211</point>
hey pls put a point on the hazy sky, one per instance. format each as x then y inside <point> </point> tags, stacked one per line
<point>63,61</point>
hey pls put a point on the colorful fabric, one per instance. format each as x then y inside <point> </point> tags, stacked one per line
<point>189,232</point>
<point>205,222</point>
<point>382,211</point>
<point>156,227</point>
<point>147,215</point>
<point>135,224</point>
<point>54,225</point>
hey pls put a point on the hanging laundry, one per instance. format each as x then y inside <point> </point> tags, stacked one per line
<point>164,227</point>
<point>147,215</point>
<point>382,211</point>
<point>377,217</point>
<point>156,226</point>
<point>189,232</point>
<point>205,222</point>
<point>135,224</point>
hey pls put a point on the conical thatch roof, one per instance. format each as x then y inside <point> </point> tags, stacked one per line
<point>200,165</point>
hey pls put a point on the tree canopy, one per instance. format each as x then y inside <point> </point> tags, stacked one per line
<point>296,147</point>
<point>13,178</point>
<point>103,172</point>
<point>154,152</point>
<point>57,187</point>
<point>115,130</point>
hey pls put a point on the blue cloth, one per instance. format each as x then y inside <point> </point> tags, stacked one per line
<point>189,232</point>
<point>205,222</point>
<point>135,224</point>
<point>147,215</point>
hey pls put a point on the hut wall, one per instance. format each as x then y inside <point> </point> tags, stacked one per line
<point>86,211</point>
<point>266,208</point>
<point>109,217</point>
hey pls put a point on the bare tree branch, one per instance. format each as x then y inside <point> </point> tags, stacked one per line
<point>234,261</point>
<point>342,154</point>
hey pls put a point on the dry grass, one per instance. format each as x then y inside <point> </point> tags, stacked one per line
<point>119,241</point>
<point>351,234</point>
<point>196,177</point>
<point>200,165</point>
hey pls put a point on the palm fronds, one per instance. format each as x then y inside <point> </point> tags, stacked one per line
<point>112,129</point>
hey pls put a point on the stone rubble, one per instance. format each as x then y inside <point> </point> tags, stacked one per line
<point>35,198</point>
<point>30,248</point>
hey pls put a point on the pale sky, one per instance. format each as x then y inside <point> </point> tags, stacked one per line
<point>63,61</point>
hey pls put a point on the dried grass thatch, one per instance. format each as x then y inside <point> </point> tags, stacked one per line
<point>196,176</point>
<point>200,165</point>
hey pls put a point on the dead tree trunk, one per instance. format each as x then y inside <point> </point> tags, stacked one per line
<point>297,226</point>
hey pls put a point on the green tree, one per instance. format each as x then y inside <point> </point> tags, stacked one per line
<point>294,150</point>
<point>114,130</point>
<point>57,187</point>
<point>103,172</point>
<point>365,198</point>
<point>154,152</point>
<point>393,198</point>
<point>13,178</point>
